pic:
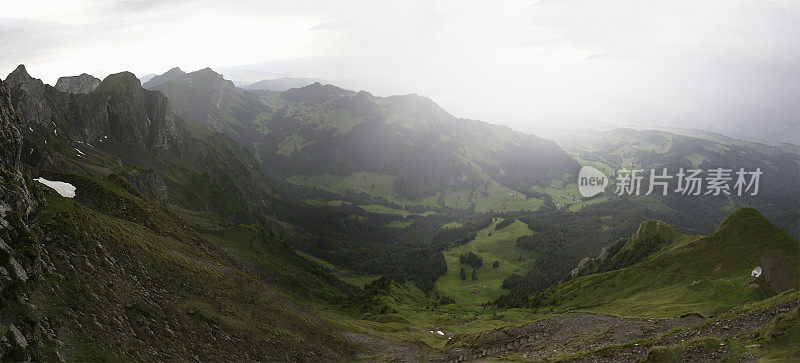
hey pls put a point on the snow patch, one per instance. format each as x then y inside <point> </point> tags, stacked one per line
<point>439,332</point>
<point>80,153</point>
<point>756,272</point>
<point>66,190</point>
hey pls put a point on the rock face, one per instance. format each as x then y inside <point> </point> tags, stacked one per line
<point>136,115</point>
<point>20,249</point>
<point>14,194</point>
<point>78,84</point>
<point>164,78</point>
<point>116,107</point>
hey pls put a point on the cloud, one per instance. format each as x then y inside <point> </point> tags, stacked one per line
<point>724,65</point>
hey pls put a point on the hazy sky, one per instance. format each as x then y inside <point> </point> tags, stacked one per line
<point>725,65</point>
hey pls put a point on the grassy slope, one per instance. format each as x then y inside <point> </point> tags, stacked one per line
<point>500,246</point>
<point>402,313</point>
<point>351,277</point>
<point>496,197</point>
<point>376,184</point>
<point>134,282</point>
<point>499,198</point>
<point>703,275</point>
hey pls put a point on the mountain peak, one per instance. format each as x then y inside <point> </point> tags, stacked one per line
<point>83,83</point>
<point>19,76</point>
<point>744,219</point>
<point>169,75</point>
<point>207,71</point>
<point>126,80</point>
<point>21,70</point>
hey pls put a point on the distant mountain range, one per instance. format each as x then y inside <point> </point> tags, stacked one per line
<point>282,84</point>
<point>322,129</point>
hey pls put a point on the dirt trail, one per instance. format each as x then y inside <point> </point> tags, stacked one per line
<point>585,332</point>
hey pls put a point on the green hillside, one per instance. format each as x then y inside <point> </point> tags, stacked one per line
<point>138,276</point>
<point>690,274</point>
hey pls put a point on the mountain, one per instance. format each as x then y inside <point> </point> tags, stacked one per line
<point>113,274</point>
<point>77,84</point>
<point>207,99</point>
<point>163,78</point>
<point>658,272</point>
<point>778,194</point>
<point>281,84</point>
<point>121,127</point>
<point>147,77</point>
<point>202,176</point>
<point>407,142</point>
<point>117,107</point>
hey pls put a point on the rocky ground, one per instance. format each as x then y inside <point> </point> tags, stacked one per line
<point>582,336</point>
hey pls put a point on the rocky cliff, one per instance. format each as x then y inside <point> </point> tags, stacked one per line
<point>78,84</point>
<point>20,249</point>
<point>136,115</point>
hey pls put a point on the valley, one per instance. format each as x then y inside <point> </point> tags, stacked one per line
<point>210,222</point>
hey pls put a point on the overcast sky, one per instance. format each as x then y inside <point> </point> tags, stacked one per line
<point>730,66</point>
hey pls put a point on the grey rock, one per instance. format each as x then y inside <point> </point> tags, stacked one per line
<point>78,84</point>
<point>148,183</point>
<point>18,270</point>
<point>18,337</point>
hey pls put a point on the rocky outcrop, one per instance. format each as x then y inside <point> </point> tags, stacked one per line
<point>148,183</point>
<point>78,84</point>
<point>646,241</point>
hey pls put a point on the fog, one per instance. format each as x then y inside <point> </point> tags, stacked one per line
<point>728,66</point>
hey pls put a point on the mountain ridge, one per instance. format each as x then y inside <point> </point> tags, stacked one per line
<point>281,84</point>
<point>320,129</point>
<point>163,78</point>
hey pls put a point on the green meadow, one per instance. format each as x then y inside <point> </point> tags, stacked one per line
<point>491,245</point>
